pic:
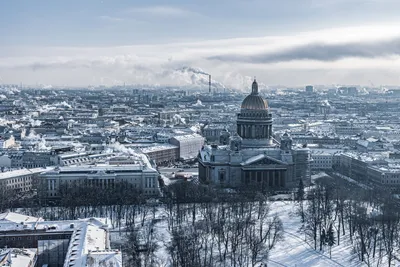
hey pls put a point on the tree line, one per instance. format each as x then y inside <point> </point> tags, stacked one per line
<point>370,218</point>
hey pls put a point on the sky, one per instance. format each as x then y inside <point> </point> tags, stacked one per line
<point>285,42</point>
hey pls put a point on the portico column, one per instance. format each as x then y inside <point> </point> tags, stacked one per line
<point>273,178</point>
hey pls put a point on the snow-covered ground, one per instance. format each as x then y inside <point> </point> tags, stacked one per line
<point>292,251</point>
<point>295,250</point>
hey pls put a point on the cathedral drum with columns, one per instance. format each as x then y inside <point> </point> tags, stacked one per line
<point>253,156</point>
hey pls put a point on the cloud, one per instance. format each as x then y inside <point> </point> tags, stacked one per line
<point>111,18</point>
<point>164,11</point>
<point>320,52</point>
<point>342,55</point>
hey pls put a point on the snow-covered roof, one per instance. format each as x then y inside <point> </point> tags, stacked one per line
<point>23,172</point>
<point>187,137</point>
<point>87,237</point>
<point>100,168</point>
<point>18,218</point>
<point>16,257</point>
<point>104,258</point>
<point>158,148</point>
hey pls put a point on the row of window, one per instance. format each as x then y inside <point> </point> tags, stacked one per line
<point>16,180</point>
<point>36,237</point>
<point>392,181</point>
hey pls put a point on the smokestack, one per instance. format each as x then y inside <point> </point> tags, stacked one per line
<point>209,83</point>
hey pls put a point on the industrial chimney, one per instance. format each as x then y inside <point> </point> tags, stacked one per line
<point>209,83</point>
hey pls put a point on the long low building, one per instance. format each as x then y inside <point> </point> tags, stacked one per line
<point>80,158</point>
<point>162,154</point>
<point>20,180</point>
<point>142,177</point>
<point>376,168</point>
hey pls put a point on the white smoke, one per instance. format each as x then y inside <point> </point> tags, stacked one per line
<point>117,147</point>
<point>195,128</point>
<point>198,103</point>
<point>241,82</point>
<point>63,104</point>
<point>192,69</point>
<point>35,123</point>
<point>177,119</point>
<point>47,108</point>
<point>191,76</point>
<point>41,145</point>
<point>32,136</point>
<point>325,103</point>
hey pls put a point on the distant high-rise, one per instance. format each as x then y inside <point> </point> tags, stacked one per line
<point>309,89</point>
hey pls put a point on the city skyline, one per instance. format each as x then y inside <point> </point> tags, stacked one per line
<point>291,43</point>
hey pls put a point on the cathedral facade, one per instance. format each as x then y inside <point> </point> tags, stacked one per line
<point>252,156</point>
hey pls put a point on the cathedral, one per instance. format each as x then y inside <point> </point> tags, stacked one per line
<point>252,156</point>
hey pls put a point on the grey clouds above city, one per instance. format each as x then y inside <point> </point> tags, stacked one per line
<point>288,43</point>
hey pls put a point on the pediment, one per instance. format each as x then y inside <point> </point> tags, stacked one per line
<point>262,159</point>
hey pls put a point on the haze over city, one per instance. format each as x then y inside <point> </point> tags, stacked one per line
<point>243,133</point>
<point>291,43</point>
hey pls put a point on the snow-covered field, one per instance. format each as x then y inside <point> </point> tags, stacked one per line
<point>294,250</point>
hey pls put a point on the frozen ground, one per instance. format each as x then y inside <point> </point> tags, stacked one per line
<point>294,251</point>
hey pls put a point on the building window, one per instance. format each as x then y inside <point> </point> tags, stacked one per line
<point>221,177</point>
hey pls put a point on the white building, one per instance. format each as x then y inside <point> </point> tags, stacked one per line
<point>142,177</point>
<point>8,143</point>
<point>324,159</point>
<point>20,180</point>
<point>189,145</point>
<point>388,175</point>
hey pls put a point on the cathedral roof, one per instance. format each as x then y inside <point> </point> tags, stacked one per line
<point>254,101</point>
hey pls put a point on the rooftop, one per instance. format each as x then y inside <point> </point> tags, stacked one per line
<point>17,218</point>
<point>157,148</point>
<point>187,137</point>
<point>16,257</point>
<point>23,172</point>
<point>87,236</point>
<point>106,168</point>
